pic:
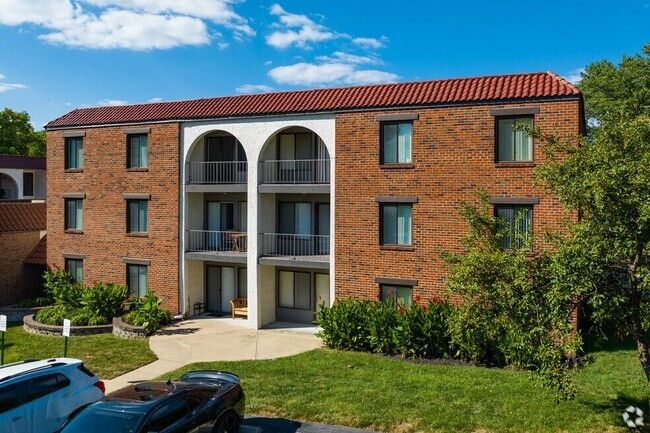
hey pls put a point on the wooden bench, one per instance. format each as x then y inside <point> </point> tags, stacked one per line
<point>239,306</point>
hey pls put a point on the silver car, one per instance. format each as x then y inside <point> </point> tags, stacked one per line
<point>38,396</point>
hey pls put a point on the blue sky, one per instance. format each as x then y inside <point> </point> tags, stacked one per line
<point>57,55</point>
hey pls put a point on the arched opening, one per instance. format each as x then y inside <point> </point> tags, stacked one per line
<point>295,155</point>
<point>8,187</point>
<point>217,158</point>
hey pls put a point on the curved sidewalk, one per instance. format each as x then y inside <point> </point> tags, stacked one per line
<point>205,338</point>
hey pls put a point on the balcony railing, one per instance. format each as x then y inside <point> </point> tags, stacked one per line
<point>279,244</point>
<point>296,171</point>
<point>217,172</point>
<point>219,241</point>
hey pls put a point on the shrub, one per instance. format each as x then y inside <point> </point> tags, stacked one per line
<point>105,300</point>
<point>146,312</point>
<point>43,301</point>
<point>96,305</point>
<point>384,327</point>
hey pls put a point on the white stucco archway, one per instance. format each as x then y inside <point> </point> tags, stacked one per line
<point>254,134</point>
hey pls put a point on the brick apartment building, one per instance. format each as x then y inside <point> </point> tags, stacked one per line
<point>292,199</point>
<point>22,246</point>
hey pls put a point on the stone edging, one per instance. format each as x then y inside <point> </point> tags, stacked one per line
<point>30,325</point>
<point>124,330</point>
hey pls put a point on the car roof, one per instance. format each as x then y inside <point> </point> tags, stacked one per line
<point>16,369</point>
<point>142,397</point>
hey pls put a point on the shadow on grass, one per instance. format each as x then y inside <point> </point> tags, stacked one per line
<point>614,408</point>
<point>599,343</point>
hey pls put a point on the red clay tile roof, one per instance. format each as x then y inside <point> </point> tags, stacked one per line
<point>490,88</point>
<point>38,256</point>
<point>20,217</point>
<point>18,161</point>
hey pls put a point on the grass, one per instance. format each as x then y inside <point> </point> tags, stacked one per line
<point>105,355</point>
<point>380,393</point>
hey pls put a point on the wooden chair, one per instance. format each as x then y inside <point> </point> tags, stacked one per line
<point>239,306</point>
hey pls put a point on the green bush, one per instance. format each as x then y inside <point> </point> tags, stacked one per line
<point>42,301</point>
<point>385,327</point>
<point>105,300</point>
<point>146,312</point>
<point>84,306</point>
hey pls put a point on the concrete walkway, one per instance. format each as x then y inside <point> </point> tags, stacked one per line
<point>206,338</point>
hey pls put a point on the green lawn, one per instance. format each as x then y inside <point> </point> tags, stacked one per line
<point>105,355</point>
<point>375,392</point>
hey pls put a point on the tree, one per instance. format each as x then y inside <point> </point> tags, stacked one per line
<point>17,135</point>
<point>509,312</point>
<point>603,259</point>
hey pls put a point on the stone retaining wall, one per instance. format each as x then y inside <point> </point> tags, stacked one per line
<point>34,327</point>
<point>124,330</point>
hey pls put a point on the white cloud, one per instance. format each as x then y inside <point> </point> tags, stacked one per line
<point>155,100</point>
<point>218,11</point>
<point>4,87</point>
<point>309,74</point>
<point>132,31</point>
<point>223,45</point>
<point>306,31</point>
<point>254,88</point>
<point>341,57</point>
<point>573,76</point>
<point>111,102</point>
<point>126,24</point>
<point>370,42</point>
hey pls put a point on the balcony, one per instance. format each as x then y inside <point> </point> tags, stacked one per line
<point>217,176</point>
<point>230,246</point>
<point>309,251</point>
<point>304,175</point>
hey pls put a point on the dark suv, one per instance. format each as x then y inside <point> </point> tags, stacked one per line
<point>201,401</point>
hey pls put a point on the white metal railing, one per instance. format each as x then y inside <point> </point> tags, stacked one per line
<point>217,172</point>
<point>222,241</point>
<point>296,171</point>
<point>280,244</point>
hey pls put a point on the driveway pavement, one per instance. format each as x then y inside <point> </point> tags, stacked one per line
<point>206,338</point>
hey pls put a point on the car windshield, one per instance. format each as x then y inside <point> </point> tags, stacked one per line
<point>97,420</point>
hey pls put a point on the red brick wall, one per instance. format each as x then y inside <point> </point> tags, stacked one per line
<point>105,180</point>
<point>18,281</point>
<point>453,156</point>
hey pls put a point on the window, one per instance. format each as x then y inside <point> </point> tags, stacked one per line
<point>136,216</point>
<point>513,143</point>
<point>402,295</point>
<point>76,269</point>
<point>167,415</point>
<point>41,386</point>
<point>136,276</point>
<point>74,156</point>
<point>74,214</point>
<point>9,397</point>
<point>28,184</point>
<point>396,142</point>
<point>518,224</point>
<point>294,290</point>
<point>395,222</point>
<point>137,153</point>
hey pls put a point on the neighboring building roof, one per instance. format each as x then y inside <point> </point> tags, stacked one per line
<point>19,161</point>
<point>489,88</point>
<point>21,217</point>
<point>38,256</point>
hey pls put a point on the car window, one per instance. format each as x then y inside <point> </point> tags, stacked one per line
<point>9,397</point>
<point>44,385</point>
<point>166,415</point>
<point>97,420</point>
<point>197,397</point>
